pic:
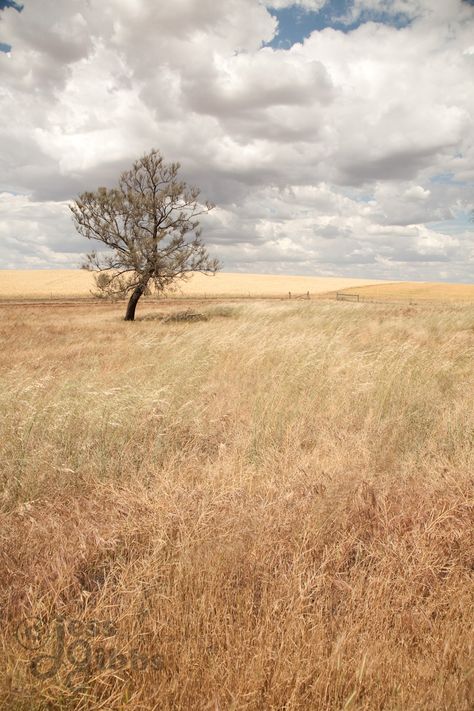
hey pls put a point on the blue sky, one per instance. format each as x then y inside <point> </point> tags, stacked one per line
<point>4,5</point>
<point>296,23</point>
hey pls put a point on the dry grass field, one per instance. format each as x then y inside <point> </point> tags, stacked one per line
<point>67,283</point>
<point>274,508</point>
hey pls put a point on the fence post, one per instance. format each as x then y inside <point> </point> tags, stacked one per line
<point>307,294</point>
<point>289,294</point>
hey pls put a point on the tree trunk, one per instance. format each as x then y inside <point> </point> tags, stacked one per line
<point>133,301</point>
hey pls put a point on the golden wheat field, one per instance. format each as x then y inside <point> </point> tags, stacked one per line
<point>271,508</point>
<point>415,291</point>
<point>57,283</point>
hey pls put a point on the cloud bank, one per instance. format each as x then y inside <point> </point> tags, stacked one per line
<point>349,153</point>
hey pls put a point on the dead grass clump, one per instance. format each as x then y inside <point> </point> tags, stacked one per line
<point>223,311</point>
<point>218,311</point>
<point>153,316</point>
<point>187,316</point>
<point>174,316</point>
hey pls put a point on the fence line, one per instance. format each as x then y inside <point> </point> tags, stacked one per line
<point>298,296</point>
<point>91,298</point>
<point>347,297</point>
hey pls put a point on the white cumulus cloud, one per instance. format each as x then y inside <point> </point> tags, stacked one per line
<point>350,152</point>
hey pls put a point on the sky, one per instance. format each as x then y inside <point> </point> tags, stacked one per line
<point>336,137</point>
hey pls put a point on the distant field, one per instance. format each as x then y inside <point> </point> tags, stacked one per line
<point>44,283</point>
<point>56,283</point>
<point>77,283</point>
<point>416,291</point>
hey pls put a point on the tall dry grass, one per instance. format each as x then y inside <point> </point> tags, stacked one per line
<point>277,501</point>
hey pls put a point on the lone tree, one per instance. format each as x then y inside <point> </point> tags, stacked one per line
<point>149,223</point>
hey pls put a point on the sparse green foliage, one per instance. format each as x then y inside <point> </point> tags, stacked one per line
<point>149,224</point>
